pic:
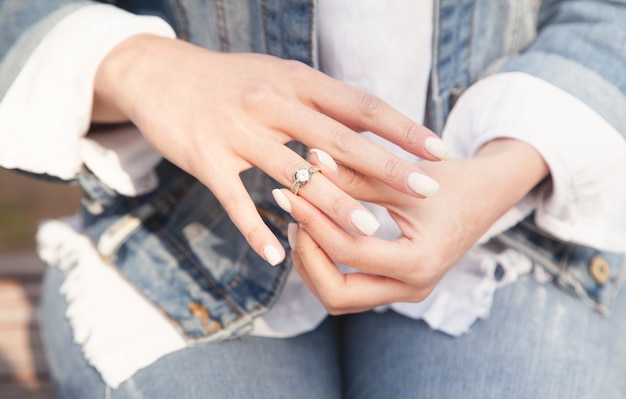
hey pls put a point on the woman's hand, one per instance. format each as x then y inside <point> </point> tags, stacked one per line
<point>216,115</point>
<point>436,232</point>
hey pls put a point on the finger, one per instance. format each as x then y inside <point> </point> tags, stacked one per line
<point>349,293</point>
<point>282,165</point>
<point>365,112</point>
<point>232,194</point>
<point>292,231</point>
<point>356,184</point>
<point>354,150</point>
<point>369,254</point>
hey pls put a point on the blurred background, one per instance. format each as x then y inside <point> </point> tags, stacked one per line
<point>24,202</point>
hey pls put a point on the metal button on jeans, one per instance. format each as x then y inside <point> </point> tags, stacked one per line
<point>600,270</point>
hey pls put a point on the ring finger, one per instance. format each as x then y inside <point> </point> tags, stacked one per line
<point>318,190</point>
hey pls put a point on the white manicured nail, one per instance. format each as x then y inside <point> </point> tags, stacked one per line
<point>422,184</point>
<point>364,221</point>
<point>272,256</point>
<point>281,200</point>
<point>292,234</point>
<point>436,147</point>
<point>325,159</point>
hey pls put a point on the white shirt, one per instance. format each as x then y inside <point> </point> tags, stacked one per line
<point>366,46</point>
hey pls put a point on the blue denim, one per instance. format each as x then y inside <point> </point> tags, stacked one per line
<point>183,252</point>
<point>176,244</point>
<point>593,276</point>
<point>538,343</point>
<point>216,284</point>
<point>575,45</point>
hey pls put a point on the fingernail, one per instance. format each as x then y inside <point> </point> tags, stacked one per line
<point>281,200</point>
<point>436,147</point>
<point>364,221</point>
<point>292,234</point>
<point>422,184</point>
<point>325,159</point>
<point>272,256</point>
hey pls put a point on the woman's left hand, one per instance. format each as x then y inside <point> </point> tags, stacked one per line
<point>435,232</point>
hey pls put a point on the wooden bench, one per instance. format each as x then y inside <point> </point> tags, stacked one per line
<point>23,370</point>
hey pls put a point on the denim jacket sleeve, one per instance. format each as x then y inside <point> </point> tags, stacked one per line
<point>48,72</point>
<point>581,48</point>
<point>23,24</point>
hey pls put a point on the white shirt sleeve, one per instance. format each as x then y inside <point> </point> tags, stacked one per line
<point>46,113</point>
<point>587,157</point>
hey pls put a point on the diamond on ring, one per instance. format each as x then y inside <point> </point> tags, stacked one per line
<point>302,177</point>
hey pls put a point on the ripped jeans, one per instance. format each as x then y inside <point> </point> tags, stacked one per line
<point>538,342</point>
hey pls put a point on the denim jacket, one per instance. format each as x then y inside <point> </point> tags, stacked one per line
<point>178,246</point>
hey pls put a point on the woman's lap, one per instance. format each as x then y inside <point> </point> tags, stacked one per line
<point>537,343</point>
<point>304,367</point>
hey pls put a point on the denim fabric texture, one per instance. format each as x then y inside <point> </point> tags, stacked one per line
<point>177,245</point>
<point>594,276</point>
<point>22,26</point>
<point>550,349</point>
<point>182,251</point>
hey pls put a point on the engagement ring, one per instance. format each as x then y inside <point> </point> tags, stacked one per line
<point>302,177</point>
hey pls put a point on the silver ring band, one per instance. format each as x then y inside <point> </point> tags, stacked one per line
<point>302,177</point>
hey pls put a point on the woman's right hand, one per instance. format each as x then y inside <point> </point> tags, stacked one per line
<point>216,114</point>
